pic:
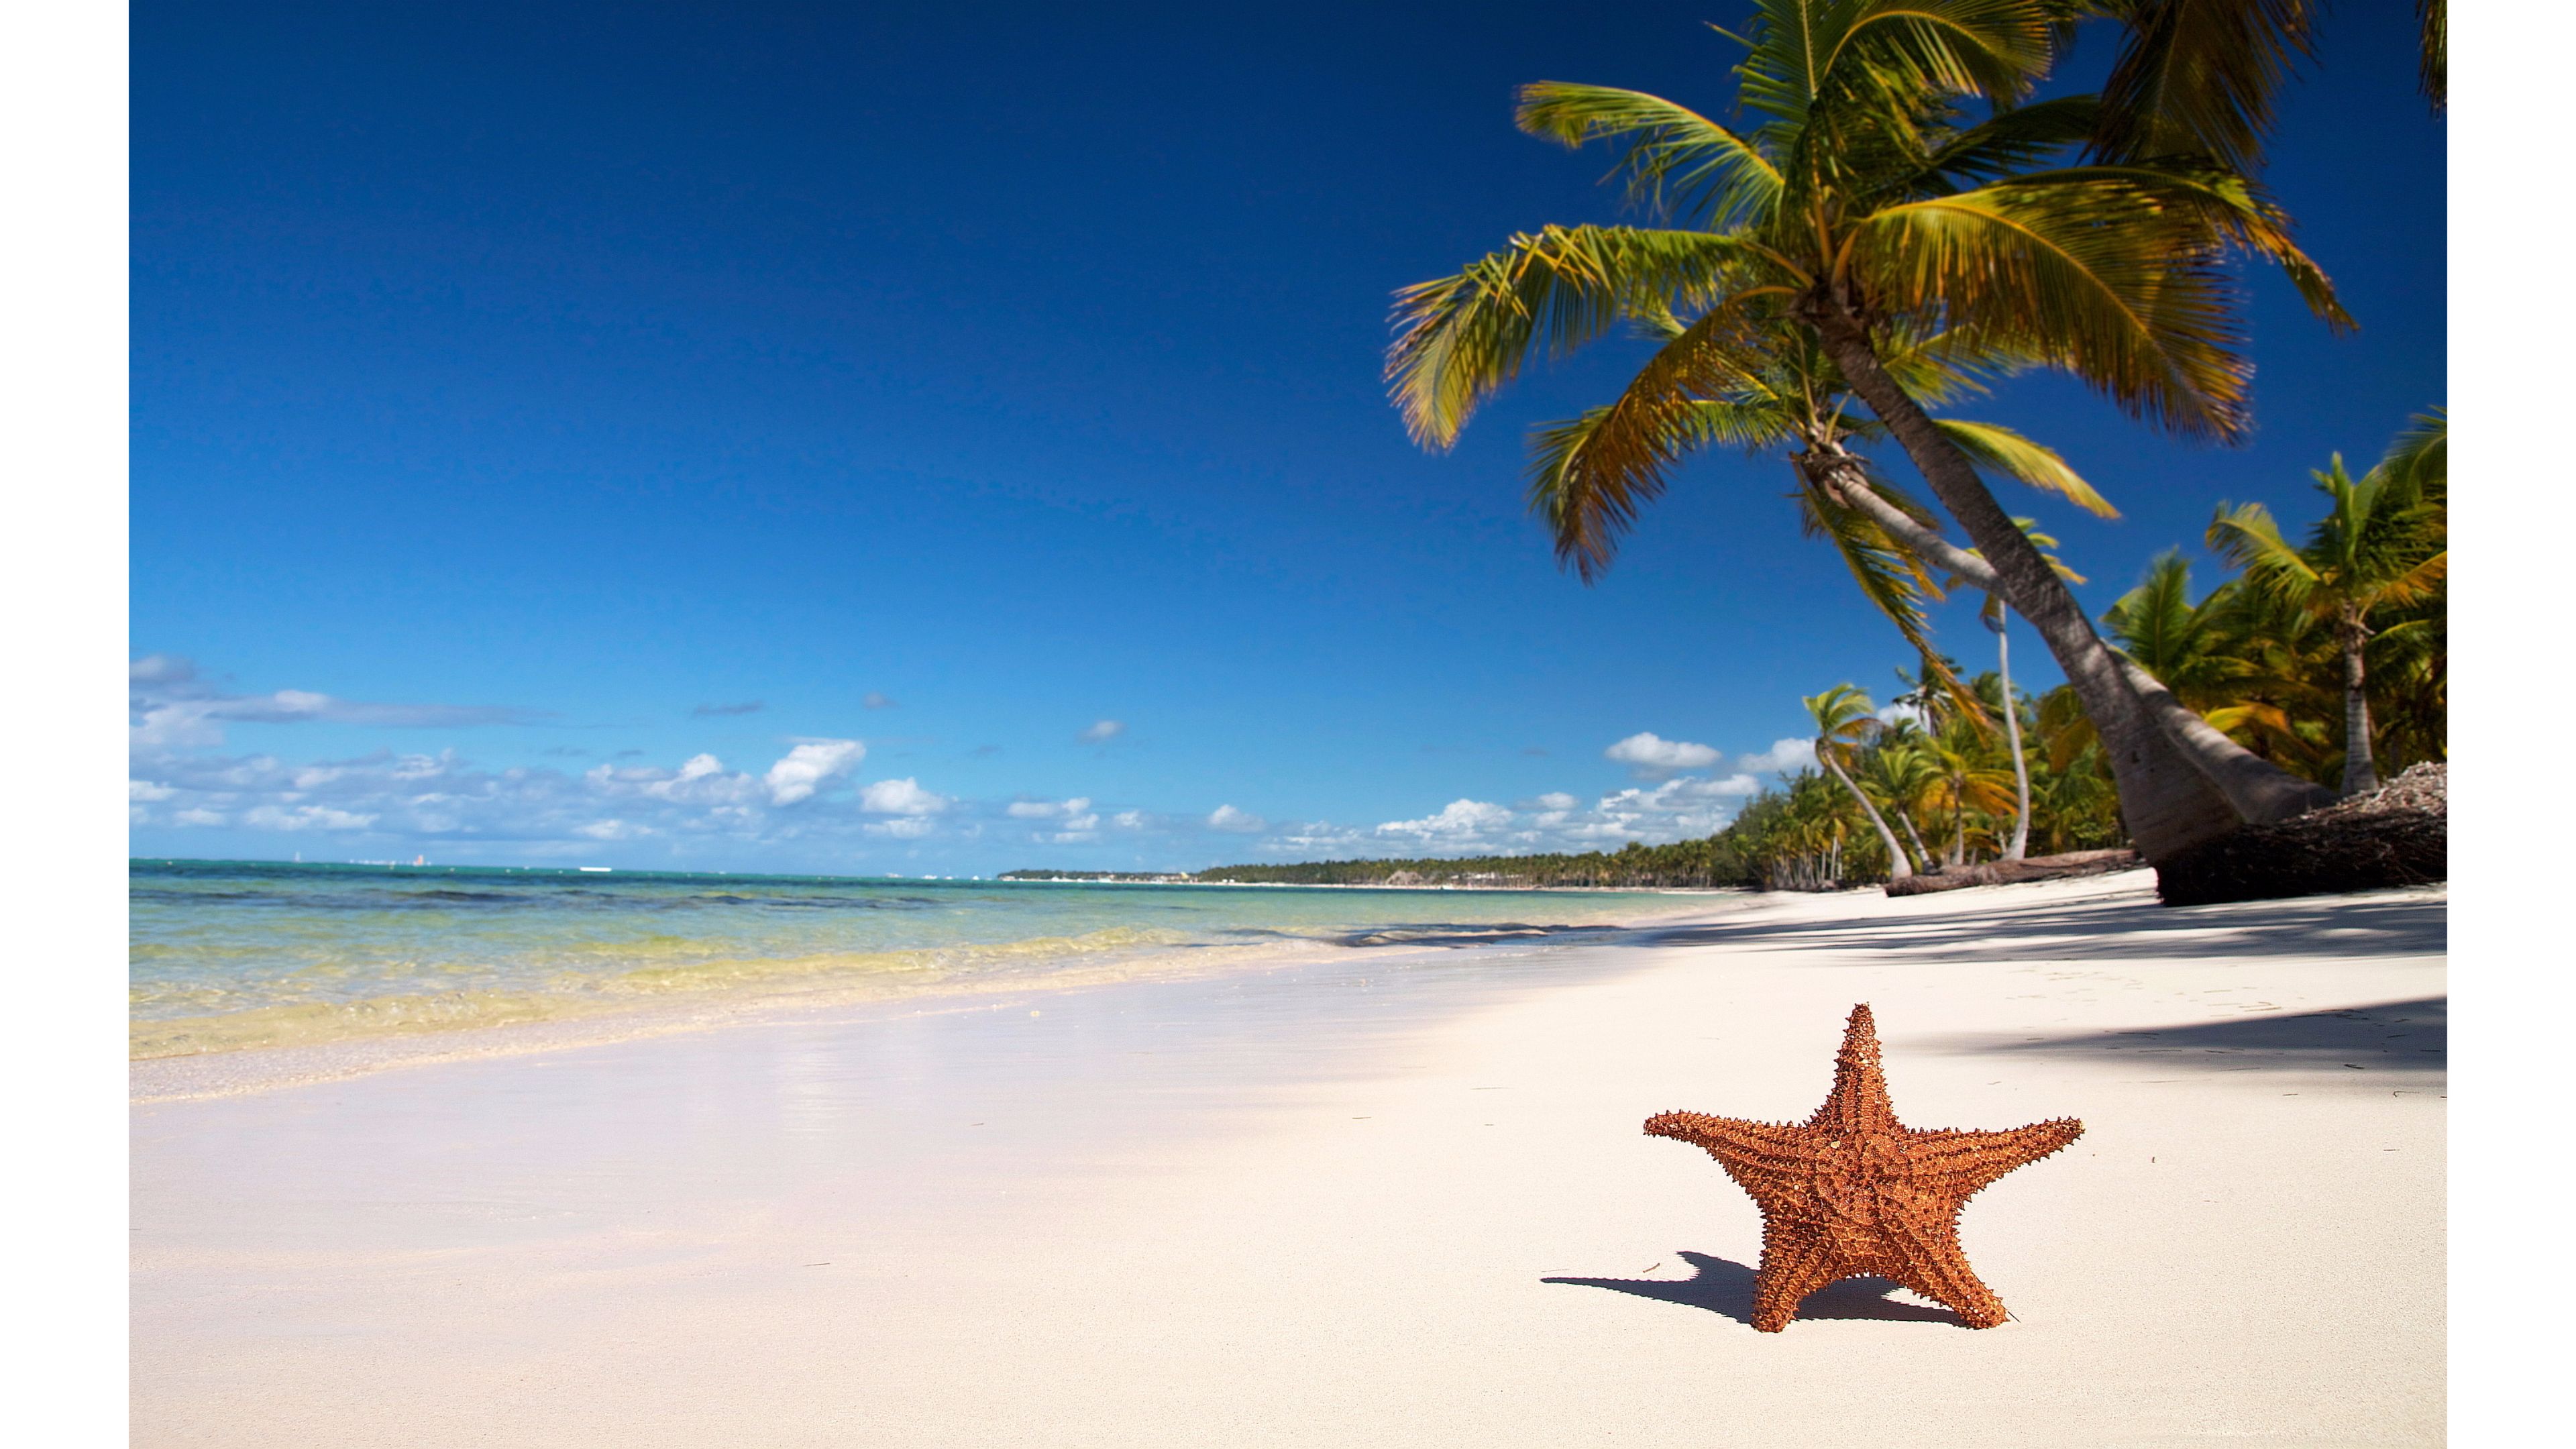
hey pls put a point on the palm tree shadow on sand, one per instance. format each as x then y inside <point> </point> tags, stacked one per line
<point>1723,1286</point>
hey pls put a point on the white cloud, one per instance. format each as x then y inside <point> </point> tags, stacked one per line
<point>1783,755</point>
<point>305,817</point>
<point>901,797</point>
<point>1048,809</point>
<point>1902,713</point>
<point>902,827</point>
<point>1128,819</point>
<point>1313,838</point>
<point>1556,800</point>
<point>169,706</point>
<point>1459,820</point>
<point>809,767</point>
<point>1101,732</point>
<point>1236,822</point>
<point>1650,756</point>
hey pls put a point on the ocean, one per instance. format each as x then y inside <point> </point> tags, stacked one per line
<point>233,955</point>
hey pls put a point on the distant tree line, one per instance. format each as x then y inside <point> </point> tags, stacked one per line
<point>1713,862</point>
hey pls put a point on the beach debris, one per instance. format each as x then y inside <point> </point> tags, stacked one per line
<point>2018,872</point>
<point>2396,835</point>
<point>1851,1192</point>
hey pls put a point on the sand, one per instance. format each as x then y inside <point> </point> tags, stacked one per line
<point>1386,1197</point>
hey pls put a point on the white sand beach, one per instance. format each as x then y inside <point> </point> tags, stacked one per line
<point>1374,1197</point>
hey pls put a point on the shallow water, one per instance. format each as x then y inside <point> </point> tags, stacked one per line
<point>226,955</point>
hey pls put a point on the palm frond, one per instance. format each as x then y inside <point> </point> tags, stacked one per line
<point>1999,449</point>
<point>2234,207</point>
<point>2197,78</point>
<point>2099,277</point>
<point>2012,141</point>
<point>1460,337</point>
<point>2418,461</point>
<point>1588,477</point>
<point>1992,48</point>
<point>2435,79</point>
<point>2250,538</point>
<point>2416,584</point>
<point>1890,576</point>
<point>1678,163</point>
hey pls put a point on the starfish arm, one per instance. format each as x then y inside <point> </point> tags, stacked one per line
<point>1932,1265</point>
<point>1796,1261</point>
<point>1957,1165</point>
<point>1760,1156</point>
<point>1858,1102</point>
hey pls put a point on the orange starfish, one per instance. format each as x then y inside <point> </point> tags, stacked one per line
<point>1852,1192</point>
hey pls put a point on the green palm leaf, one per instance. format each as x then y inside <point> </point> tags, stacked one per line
<point>2196,77</point>
<point>2093,272</point>
<point>2001,450</point>
<point>1461,337</point>
<point>1678,162</point>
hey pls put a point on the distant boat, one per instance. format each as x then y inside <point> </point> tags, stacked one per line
<point>598,869</point>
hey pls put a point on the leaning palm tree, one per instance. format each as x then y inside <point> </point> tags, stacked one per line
<point>2380,546</point>
<point>1843,720</point>
<point>1869,210</point>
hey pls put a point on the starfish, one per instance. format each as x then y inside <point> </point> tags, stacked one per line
<point>1851,1192</point>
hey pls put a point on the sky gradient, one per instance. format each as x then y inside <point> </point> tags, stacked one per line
<point>775,437</point>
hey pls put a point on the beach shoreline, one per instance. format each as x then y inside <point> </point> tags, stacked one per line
<point>1375,1195</point>
<point>228,1072</point>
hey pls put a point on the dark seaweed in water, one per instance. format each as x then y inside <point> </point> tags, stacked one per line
<point>813,903</point>
<point>1465,934</point>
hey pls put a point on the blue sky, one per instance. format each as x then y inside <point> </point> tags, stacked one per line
<point>990,395</point>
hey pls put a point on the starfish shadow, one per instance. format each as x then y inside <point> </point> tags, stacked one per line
<point>1723,1286</point>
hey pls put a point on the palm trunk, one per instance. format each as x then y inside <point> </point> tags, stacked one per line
<point>1958,824</point>
<point>1897,869</point>
<point>2260,791</point>
<point>2169,804</point>
<point>2012,736</point>
<point>2360,771</point>
<point>1920,853</point>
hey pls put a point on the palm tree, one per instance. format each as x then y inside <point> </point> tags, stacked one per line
<point>1997,618</point>
<point>1843,720</point>
<point>1903,775</point>
<point>1870,211</point>
<point>1967,781</point>
<point>2380,546</point>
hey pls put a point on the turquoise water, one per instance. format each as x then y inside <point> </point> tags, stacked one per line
<point>226,955</point>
